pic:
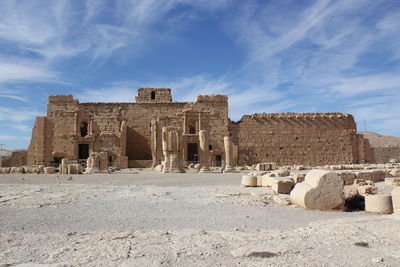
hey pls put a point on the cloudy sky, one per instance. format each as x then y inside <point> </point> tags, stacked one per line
<point>268,56</point>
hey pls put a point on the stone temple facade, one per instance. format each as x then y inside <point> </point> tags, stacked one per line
<point>131,133</point>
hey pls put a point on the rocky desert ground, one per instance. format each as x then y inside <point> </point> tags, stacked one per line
<point>144,218</point>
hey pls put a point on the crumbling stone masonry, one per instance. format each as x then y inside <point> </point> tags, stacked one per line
<point>131,133</point>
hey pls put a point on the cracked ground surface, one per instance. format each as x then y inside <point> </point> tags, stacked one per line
<point>142,218</point>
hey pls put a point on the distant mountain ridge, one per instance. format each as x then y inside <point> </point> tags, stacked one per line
<point>378,140</point>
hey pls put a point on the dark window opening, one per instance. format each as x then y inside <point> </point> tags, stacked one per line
<point>281,148</point>
<point>84,129</point>
<point>153,94</point>
<point>192,129</point>
<point>57,160</point>
<point>192,152</point>
<point>209,147</point>
<point>83,151</point>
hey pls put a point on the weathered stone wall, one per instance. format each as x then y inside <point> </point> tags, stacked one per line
<point>17,159</point>
<point>384,154</point>
<point>152,95</point>
<point>99,125</point>
<point>132,132</point>
<point>296,138</point>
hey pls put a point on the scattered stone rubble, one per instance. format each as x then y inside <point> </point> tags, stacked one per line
<point>332,186</point>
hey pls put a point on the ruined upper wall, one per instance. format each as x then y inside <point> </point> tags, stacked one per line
<point>212,98</point>
<point>153,95</point>
<point>385,154</point>
<point>296,138</point>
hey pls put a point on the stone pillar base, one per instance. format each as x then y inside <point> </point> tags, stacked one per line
<point>204,169</point>
<point>230,169</point>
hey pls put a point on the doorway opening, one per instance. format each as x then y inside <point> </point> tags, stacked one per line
<point>192,152</point>
<point>83,151</point>
<point>218,160</point>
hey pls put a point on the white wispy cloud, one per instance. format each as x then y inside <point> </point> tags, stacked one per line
<point>16,97</point>
<point>20,127</point>
<point>17,115</point>
<point>7,137</point>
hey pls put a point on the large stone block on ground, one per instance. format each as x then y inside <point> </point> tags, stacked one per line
<point>393,181</point>
<point>321,190</point>
<point>281,173</point>
<point>249,180</point>
<point>348,177</point>
<point>5,170</point>
<point>379,204</point>
<point>378,176</point>
<point>266,166</point>
<point>396,199</point>
<point>17,170</point>
<point>30,169</point>
<point>367,190</point>
<point>364,175</point>
<point>395,172</point>
<point>49,170</point>
<point>278,184</point>
<point>299,177</point>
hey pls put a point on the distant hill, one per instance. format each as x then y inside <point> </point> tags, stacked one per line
<point>378,140</point>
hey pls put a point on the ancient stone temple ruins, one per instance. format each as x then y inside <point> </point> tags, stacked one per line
<point>132,133</point>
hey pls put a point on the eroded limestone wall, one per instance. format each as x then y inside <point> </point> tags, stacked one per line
<point>296,138</point>
<point>59,134</point>
<point>17,159</point>
<point>384,154</point>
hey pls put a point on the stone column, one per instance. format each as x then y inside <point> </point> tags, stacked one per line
<point>228,145</point>
<point>64,166</point>
<point>165,162</point>
<point>205,153</point>
<point>172,150</point>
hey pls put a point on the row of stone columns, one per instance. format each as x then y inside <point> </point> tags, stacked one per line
<point>172,151</point>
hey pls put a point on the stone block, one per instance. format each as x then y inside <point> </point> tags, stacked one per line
<point>40,169</point>
<point>122,162</point>
<point>393,181</point>
<point>158,168</point>
<point>265,166</point>
<point>49,170</point>
<point>30,169</point>
<point>396,199</point>
<point>299,177</point>
<point>364,175</point>
<point>379,204</point>
<point>17,170</point>
<point>378,176</point>
<point>299,167</point>
<point>281,185</point>
<point>5,170</point>
<point>259,180</point>
<point>321,190</point>
<point>348,177</point>
<point>367,190</point>
<point>395,172</point>
<point>282,173</point>
<point>249,181</point>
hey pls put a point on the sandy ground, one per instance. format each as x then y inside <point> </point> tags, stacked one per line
<point>143,218</point>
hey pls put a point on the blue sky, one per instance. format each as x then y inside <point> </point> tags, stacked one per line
<point>268,56</point>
